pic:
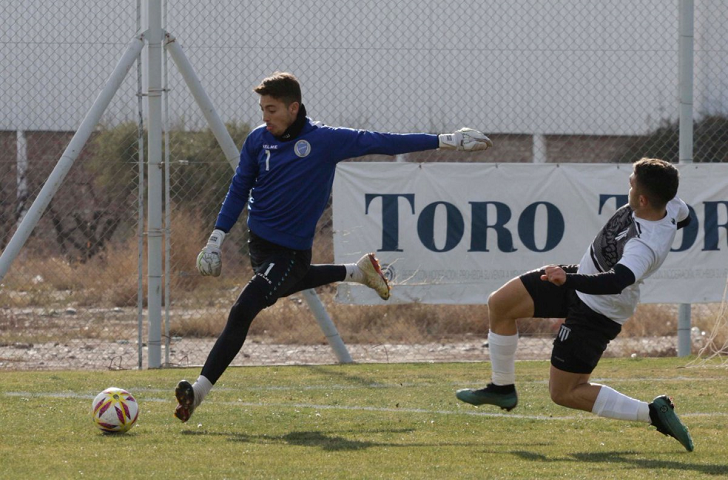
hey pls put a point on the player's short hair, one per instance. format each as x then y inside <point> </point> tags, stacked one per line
<point>657,179</point>
<point>282,86</point>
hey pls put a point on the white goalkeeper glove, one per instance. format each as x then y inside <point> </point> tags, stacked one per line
<point>209,261</point>
<point>465,139</point>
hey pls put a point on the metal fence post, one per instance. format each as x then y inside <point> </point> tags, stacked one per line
<point>154,192</point>
<point>685,66</point>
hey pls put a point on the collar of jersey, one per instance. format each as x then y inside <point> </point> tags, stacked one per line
<point>295,128</point>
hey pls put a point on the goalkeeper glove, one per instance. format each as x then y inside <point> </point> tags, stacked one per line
<point>209,261</point>
<point>465,139</point>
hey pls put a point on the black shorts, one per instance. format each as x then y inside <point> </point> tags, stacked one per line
<point>277,269</point>
<point>584,336</point>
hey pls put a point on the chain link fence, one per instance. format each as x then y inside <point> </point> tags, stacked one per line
<point>557,81</point>
<point>70,297</point>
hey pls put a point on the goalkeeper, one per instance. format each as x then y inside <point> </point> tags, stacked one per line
<point>285,176</point>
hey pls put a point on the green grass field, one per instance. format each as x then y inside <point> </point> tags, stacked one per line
<point>359,421</point>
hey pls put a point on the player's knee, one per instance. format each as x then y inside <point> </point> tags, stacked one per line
<point>560,396</point>
<point>255,297</point>
<point>495,303</point>
<point>500,306</point>
<point>263,289</point>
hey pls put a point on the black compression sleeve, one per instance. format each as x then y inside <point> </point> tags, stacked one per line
<point>606,283</point>
<point>684,223</point>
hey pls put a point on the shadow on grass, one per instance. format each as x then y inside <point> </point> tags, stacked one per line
<point>328,441</point>
<point>627,457</point>
<point>326,370</point>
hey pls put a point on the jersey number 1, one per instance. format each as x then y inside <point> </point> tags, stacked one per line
<point>267,270</point>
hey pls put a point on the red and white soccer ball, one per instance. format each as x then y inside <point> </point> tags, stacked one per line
<point>115,410</point>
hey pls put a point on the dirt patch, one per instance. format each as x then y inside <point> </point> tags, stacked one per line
<point>96,355</point>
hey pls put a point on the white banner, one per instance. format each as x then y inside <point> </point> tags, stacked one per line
<point>452,233</point>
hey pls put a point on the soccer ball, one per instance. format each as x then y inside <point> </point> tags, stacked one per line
<point>115,410</point>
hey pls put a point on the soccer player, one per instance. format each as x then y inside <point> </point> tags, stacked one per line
<point>285,176</point>
<point>596,298</point>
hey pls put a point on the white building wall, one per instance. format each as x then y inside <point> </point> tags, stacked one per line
<point>506,66</point>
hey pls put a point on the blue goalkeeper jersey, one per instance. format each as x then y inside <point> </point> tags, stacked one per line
<point>287,184</point>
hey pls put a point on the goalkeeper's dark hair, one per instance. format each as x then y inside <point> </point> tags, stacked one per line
<point>657,179</point>
<point>282,86</point>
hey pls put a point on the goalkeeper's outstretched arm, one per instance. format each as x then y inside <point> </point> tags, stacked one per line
<point>465,139</point>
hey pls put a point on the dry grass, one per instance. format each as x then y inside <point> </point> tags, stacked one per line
<point>110,278</point>
<point>45,285</point>
<point>290,322</point>
<point>712,324</point>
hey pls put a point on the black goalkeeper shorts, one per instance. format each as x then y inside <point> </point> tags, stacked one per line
<point>584,335</point>
<point>277,269</point>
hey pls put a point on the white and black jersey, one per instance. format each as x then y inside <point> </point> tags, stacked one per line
<point>638,244</point>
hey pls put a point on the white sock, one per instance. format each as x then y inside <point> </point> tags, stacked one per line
<point>612,404</point>
<point>201,388</point>
<point>503,358</point>
<point>354,273</point>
